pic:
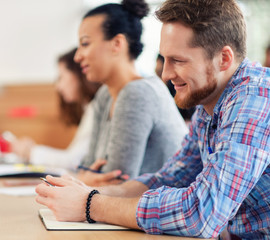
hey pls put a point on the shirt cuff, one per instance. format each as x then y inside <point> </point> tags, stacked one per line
<point>148,213</point>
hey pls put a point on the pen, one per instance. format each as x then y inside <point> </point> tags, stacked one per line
<point>43,179</point>
<point>88,169</point>
<point>98,171</point>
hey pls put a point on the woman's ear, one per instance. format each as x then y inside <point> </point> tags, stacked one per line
<point>119,42</point>
<point>226,58</point>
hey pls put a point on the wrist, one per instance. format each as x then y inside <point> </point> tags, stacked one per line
<point>98,210</point>
<point>88,206</point>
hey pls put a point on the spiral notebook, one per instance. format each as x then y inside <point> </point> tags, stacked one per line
<point>52,224</point>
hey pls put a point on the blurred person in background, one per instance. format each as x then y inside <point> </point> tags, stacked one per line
<point>267,57</point>
<point>75,100</point>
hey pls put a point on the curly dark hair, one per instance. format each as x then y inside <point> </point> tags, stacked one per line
<point>123,18</point>
<point>72,113</point>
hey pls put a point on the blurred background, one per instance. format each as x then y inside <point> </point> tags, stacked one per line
<point>35,32</point>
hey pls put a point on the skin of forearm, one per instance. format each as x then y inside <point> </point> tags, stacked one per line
<point>129,189</point>
<point>114,210</point>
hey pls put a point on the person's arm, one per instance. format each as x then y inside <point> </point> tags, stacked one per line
<point>71,156</point>
<point>115,210</point>
<point>68,201</point>
<point>129,189</point>
<point>65,158</point>
<point>68,158</point>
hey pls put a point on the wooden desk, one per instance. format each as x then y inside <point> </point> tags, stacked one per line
<point>19,220</point>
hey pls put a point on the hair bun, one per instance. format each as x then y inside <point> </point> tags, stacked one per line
<point>137,7</point>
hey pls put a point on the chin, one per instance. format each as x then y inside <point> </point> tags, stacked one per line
<point>185,102</point>
<point>90,79</point>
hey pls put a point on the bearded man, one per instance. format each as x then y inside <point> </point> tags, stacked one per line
<point>220,179</point>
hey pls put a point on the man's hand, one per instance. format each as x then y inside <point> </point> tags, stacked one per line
<point>67,200</point>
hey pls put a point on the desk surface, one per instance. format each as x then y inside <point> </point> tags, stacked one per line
<point>19,220</point>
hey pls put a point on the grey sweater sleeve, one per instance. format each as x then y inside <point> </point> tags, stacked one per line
<point>134,115</point>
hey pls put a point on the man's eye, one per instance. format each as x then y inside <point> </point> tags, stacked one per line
<point>178,61</point>
<point>84,44</point>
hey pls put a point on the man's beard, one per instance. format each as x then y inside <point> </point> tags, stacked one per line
<point>198,95</point>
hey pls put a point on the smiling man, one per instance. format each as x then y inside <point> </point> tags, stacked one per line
<point>220,179</point>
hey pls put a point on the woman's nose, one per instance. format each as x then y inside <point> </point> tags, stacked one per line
<point>77,56</point>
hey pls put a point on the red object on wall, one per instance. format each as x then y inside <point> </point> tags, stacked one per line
<point>22,112</point>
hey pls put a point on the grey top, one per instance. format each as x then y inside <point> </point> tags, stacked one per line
<point>144,131</point>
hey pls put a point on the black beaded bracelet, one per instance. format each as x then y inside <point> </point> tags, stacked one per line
<point>87,211</point>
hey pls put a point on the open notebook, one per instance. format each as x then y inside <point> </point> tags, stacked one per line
<point>51,223</point>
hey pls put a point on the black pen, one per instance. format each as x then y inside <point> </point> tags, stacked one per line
<point>88,169</point>
<point>43,179</point>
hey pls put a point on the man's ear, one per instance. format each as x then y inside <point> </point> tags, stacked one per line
<point>226,58</point>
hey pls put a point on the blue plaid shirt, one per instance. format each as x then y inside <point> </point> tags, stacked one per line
<point>221,176</point>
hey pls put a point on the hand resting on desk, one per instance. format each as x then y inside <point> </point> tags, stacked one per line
<point>101,179</point>
<point>68,201</point>
<point>55,198</point>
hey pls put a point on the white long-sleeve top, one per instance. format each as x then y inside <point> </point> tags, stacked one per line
<point>70,157</point>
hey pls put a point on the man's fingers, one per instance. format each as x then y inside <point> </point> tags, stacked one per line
<point>58,181</point>
<point>73,179</point>
<point>43,190</point>
<point>42,200</point>
<point>69,178</point>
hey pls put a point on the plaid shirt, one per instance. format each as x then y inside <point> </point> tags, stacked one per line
<point>221,176</point>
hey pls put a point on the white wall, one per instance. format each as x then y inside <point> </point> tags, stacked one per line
<point>35,32</point>
<point>257,15</point>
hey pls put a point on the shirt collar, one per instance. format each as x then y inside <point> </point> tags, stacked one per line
<point>235,80</point>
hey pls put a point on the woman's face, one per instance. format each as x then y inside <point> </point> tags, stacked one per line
<point>68,84</point>
<point>94,54</point>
